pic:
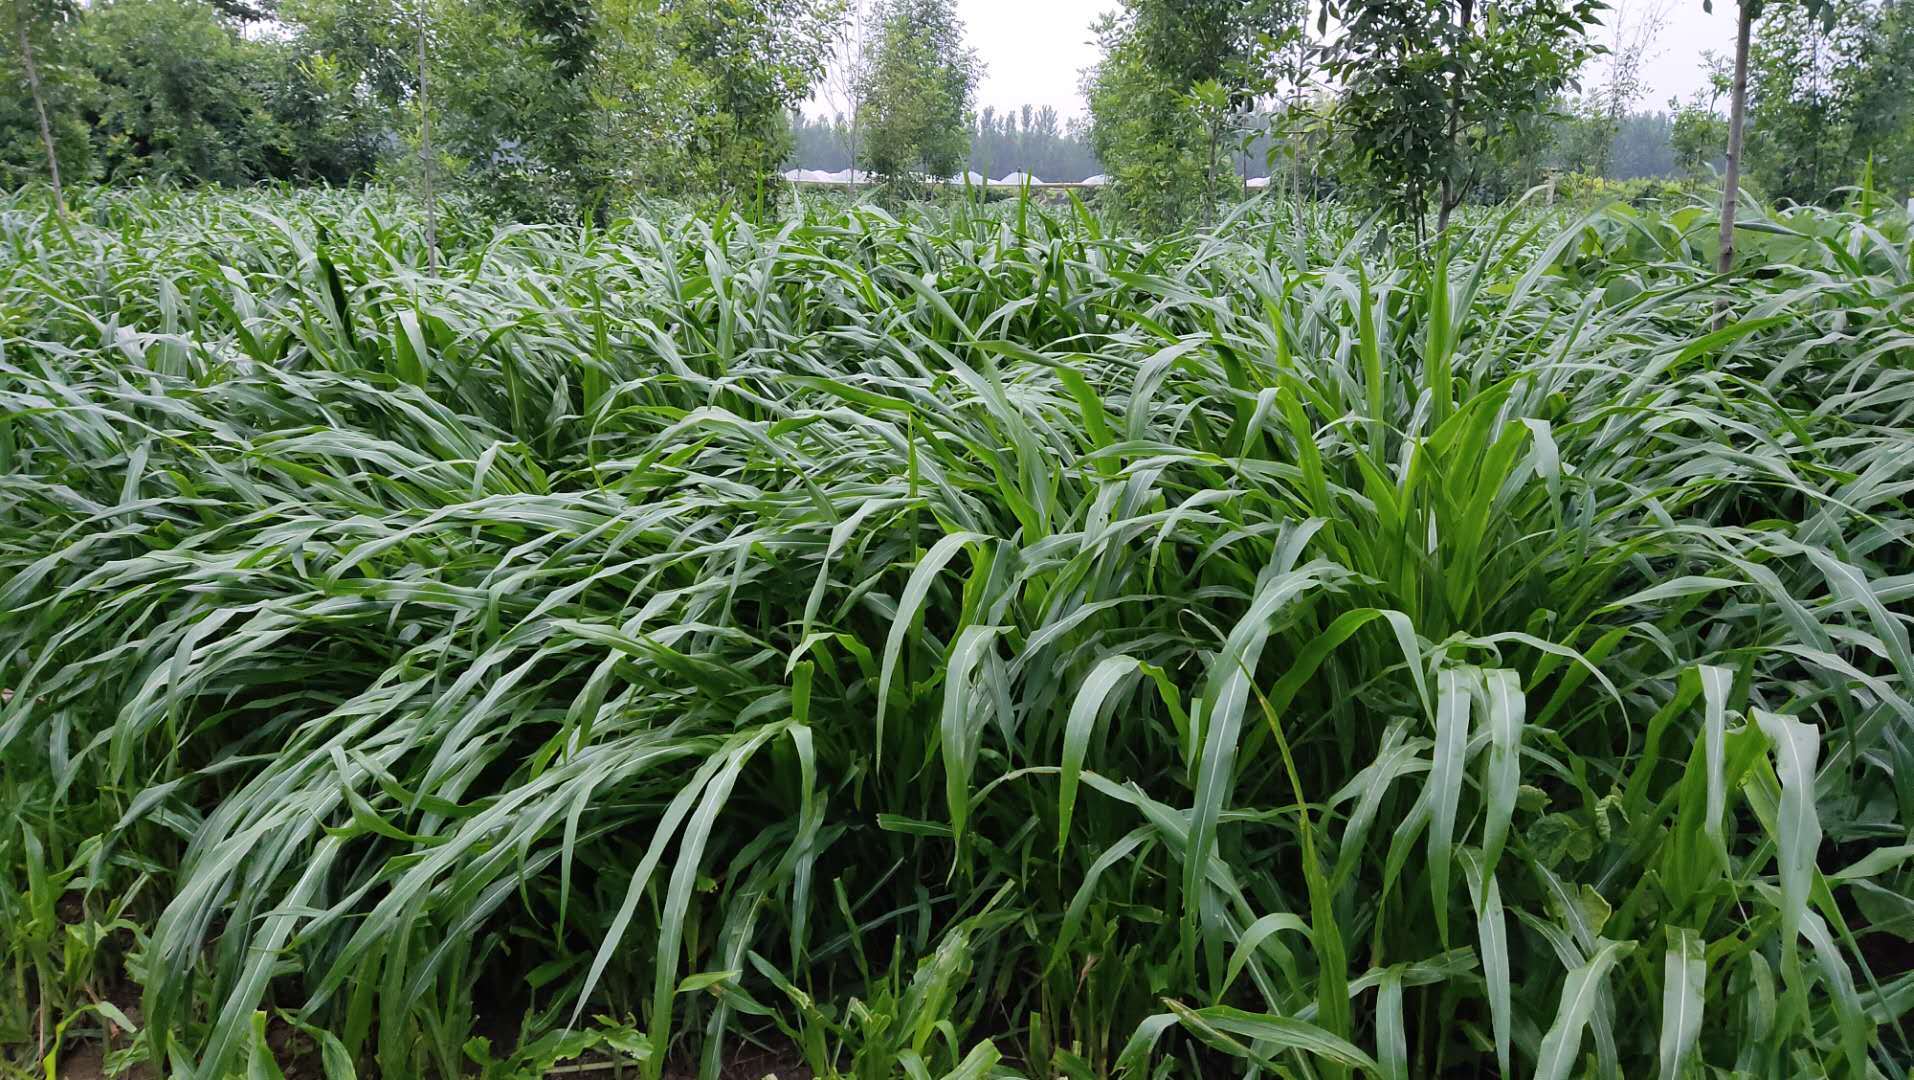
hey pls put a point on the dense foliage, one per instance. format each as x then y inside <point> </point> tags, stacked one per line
<point>1437,87</point>
<point>915,90</point>
<point>543,109</point>
<point>169,89</point>
<point>1176,80</point>
<point>980,643</point>
<point>1828,91</point>
<point>1142,130</point>
<point>568,110</point>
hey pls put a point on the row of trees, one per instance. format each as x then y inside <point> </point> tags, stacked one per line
<point>549,108</point>
<point>1185,96</point>
<point>1683,142</point>
<point>1830,88</point>
<point>1034,139</point>
<point>170,88</point>
<point>1031,140</point>
<point>556,108</point>
<point>1407,98</point>
<point>1417,105</point>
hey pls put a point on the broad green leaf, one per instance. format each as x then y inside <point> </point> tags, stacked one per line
<point>1563,1040</point>
<point>1454,688</point>
<point>1218,1023</point>
<point>1684,980</point>
<point>916,590</point>
<point>1796,746</point>
<point>1088,707</point>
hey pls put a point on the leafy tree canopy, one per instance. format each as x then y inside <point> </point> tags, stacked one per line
<point>916,89</point>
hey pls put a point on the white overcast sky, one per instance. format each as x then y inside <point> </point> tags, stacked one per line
<point>1035,50</point>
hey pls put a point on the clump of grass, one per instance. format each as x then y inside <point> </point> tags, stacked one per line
<point>979,645</point>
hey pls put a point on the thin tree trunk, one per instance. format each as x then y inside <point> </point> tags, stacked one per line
<point>1448,195</point>
<point>856,63</point>
<point>1296,164</point>
<point>1295,116</point>
<point>1731,175</point>
<point>425,155</point>
<point>1445,195</point>
<point>1209,175</point>
<point>46,127</point>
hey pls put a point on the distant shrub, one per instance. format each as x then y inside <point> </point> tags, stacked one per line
<point>1581,188</point>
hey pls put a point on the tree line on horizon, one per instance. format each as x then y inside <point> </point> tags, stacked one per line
<point>561,109</point>
<point>1034,139</point>
<point>1641,145</point>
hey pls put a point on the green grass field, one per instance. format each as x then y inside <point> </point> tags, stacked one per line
<point>963,645</point>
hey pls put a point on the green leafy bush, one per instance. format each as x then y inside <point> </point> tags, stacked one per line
<point>1581,189</point>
